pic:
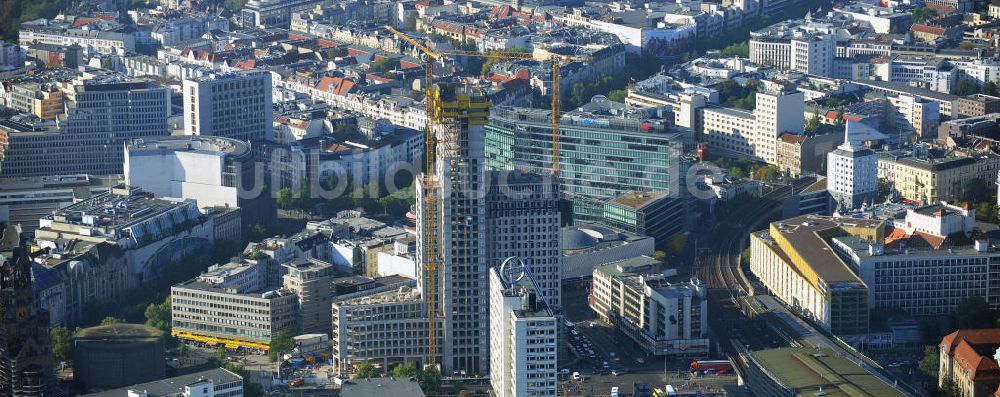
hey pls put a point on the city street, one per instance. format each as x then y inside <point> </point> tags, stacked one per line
<point>623,357</point>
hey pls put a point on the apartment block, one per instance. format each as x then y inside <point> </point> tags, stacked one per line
<point>234,105</point>
<point>755,135</point>
<point>523,335</point>
<point>43,101</point>
<point>967,358</point>
<point>922,178</point>
<point>851,170</point>
<point>664,317</point>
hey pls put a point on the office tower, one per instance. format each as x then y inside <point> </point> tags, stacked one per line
<point>522,220</point>
<point>451,231</point>
<point>101,115</point>
<point>233,105</point>
<point>522,336</point>
<point>602,156</point>
<point>25,352</point>
<point>852,170</point>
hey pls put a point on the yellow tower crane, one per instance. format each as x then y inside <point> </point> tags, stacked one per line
<point>434,258</point>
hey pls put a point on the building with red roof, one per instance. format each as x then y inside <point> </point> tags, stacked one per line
<point>968,358</point>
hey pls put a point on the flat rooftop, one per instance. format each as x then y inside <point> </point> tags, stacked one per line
<point>173,386</point>
<point>120,206</point>
<point>121,331</point>
<point>806,370</point>
<point>637,200</point>
<point>381,387</point>
<point>803,235</point>
<point>188,143</point>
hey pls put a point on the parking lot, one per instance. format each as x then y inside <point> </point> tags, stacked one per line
<point>608,358</point>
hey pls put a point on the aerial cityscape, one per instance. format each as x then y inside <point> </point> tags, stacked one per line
<point>701,198</point>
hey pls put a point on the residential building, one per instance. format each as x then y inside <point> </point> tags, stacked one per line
<point>649,158</point>
<point>523,334</point>
<point>967,359</point>
<point>921,114</point>
<point>977,105</point>
<point>102,114</point>
<point>214,171</point>
<point>789,259</point>
<point>54,56</point>
<point>11,56</point>
<point>930,260</point>
<point>807,47</point>
<point>26,364</point>
<point>217,382</point>
<point>43,101</point>
<point>851,170</point>
<point>25,200</point>
<point>311,280</point>
<point>234,105</point>
<point>926,179</point>
<point>755,135</point>
<point>272,13</point>
<point>663,317</point>
<point>771,372</point>
<point>62,33</point>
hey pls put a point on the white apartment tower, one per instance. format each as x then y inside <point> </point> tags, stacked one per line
<point>233,105</point>
<point>852,169</point>
<point>778,110</point>
<point>522,335</point>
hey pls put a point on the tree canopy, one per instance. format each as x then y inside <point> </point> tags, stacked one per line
<point>367,371</point>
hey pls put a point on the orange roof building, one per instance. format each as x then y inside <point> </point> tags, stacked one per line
<point>968,358</point>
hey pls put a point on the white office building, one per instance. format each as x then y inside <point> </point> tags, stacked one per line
<point>852,170</point>
<point>522,335</point>
<point>234,105</point>
<point>802,46</point>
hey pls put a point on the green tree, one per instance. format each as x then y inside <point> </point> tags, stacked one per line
<point>383,65</point>
<point>931,362</point>
<point>991,88</point>
<point>405,370</point>
<point>494,57</point>
<point>813,124</point>
<point>741,49</point>
<point>965,87</point>
<point>737,172</point>
<point>62,341</point>
<point>280,343</point>
<point>158,316</point>
<point>882,190</point>
<point>973,312</point>
<point>430,381</point>
<point>367,371</point>
<point>109,320</point>
<point>618,95</point>
<point>234,5</point>
<point>286,200</point>
<point>977,191</point>
<point>923,14</point>
<point>220,354</point>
